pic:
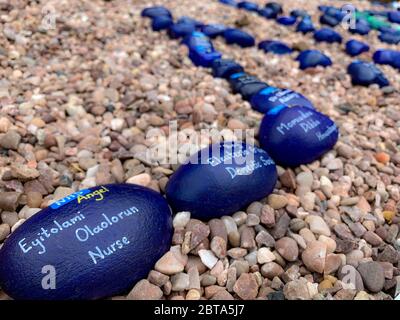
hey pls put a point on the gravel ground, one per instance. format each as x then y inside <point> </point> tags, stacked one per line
<point>78,100</point>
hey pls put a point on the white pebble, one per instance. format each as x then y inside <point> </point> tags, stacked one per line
<point>181,219</point>
<point>208,258</point>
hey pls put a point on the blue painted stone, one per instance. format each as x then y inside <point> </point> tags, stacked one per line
<point>355,47</point>
<point>297,135</point>
<point>299,13</point>
<point>239,37</point>
<point>274,6</point>
<point>327,35</point>
<point>267,13</point>
<point>271,97</point>
<point>155,11</point>
<point>213,30</point>
<point>323,8</point>
<point>389,57</point>
<point>365,73</point>
<point>181,30</point>
<point>329,20</point>
<point>286,21</point>
<point>394,16</point>
<point>161,23</point>
<point>221,179</point>
<point>305,26</point>
<point>246,85</point>
<point>247,5</point>
<point>231,3</point>
<point>313,58</point>
<point>201,50</point>
<point>100,241</point>
<point>390,37</point>
<point>224,68</point>
<point>188,20</point>
<point>274,46</point>
<point>362,28</point>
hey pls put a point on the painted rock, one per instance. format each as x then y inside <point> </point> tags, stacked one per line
<point>155,11</point>
<point>239,37</point>
<point>365,73</point>
<point>267,13</point>
<point>181,30</point>
<point>221,179</point>
<point>329,20</point>
<point>232,3</point>
<point>355,47</point>
<point>271,97</point>
<point>362,28</point>
<point>297,135</point>
<point>213,30</point>
<point>224,68</point>
<point>275,7</point>
<point>305,26</point>
<point>394,16</point>
<point>286,21</point>
<point>201,50</point>
<point>161,23</point>
<point>389,57</point>
<point>299,13</point>
<point>247,5</point>
<point>246,85</point>
<point>189,20</point>
<point>92,244</point>
<point>313,58</point>
<point>327,35</point>
<point>274,46</point>
<point>390,37</point>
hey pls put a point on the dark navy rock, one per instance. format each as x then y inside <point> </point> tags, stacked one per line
<point>355,47</point>
<point>327,35</point>
<point>274,6</point>
<point>274,46</point>
<point>323,8</point>
<point>94,244</point>
<point>247,5</point>
<point>181,30</point>
<point>239,37</point>
<point>313,58</point>
<point>201,50</point>
<point>267,13</point>
<point>221,179</point>
<point>362,28</point>
<point>286,21</point>
<point>299,13</point>
<point>246,85</point>
<point>213,30</point>
<point>305,26</point>
<point>365,73</point>
<point>390,37</point>
<point>156,11</point>
<point>188,20</point>
<point>161,23</point>
<point>389,57</point>
<point>329,20</point>
<point>271,97</point>
<point>394,16</point>
<point>224,68</point>
<point>232,3</point>
<point>297,135</point>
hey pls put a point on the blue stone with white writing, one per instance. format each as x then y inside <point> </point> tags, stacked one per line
<point>366,73</point>
<point>313,58</point>
<point>275,46</point>
<point>93,244</point>
<point>239,37</point>
<point>201,50</point>
<point>221,179</point>
<point>355,47</point>
<point>297,135</point>
<point>327,35</point>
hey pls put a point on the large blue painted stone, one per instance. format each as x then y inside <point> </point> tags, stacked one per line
<point>366,73</point>
<point>305,26</point>
<point>98,243</point>
<point>161,23</point>
<point>201,50</point>
<point>181,30</point>
<point>327,35</point>
<point>297,135</point>
<point>313,58</point>
<point>247,5</point>
<point>246,85</point>
<point>387,56</point>
<point>355,47</point>
<point>224,68</point>
<point>239,37</point>
<point>275,46</point>
<point>155,11</point>
<point>213,30</point>
<point>271,97</point>
<point>394,16</point>
<point>286,21</point>
<point>221,179</point>
<point>362,28</point>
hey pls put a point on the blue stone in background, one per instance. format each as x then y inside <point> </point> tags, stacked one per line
<point>201,50</point>
<point>305,26</point>
<point>362,28</point>
<point>394,16</point>
<point>267,13</point>
<point>156,11</point>
<point>188,20</point>
<point>274,6</point>
<point>100,242</point>
<point>274,46</point>
<point>390,37</point>
<point>299,13</point>
<point>224,68</point>
<point>161,23</point>
<point>327,35</point>
<point>232,3</point>
<point>286,21</point>
<point>355,47</point>
<point>366,73</point>
<point>221,179</point>
<point>180,30</point>
<point>239,37</point>
<point>246,85</point>
<point>297,135</point>
<point>313,58</point>
<point>323,8</point>
<point>329,20</point>
<point>271,97</point>
<point>213,30</point>
<point>247,5</point>
<point>387,56</point>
